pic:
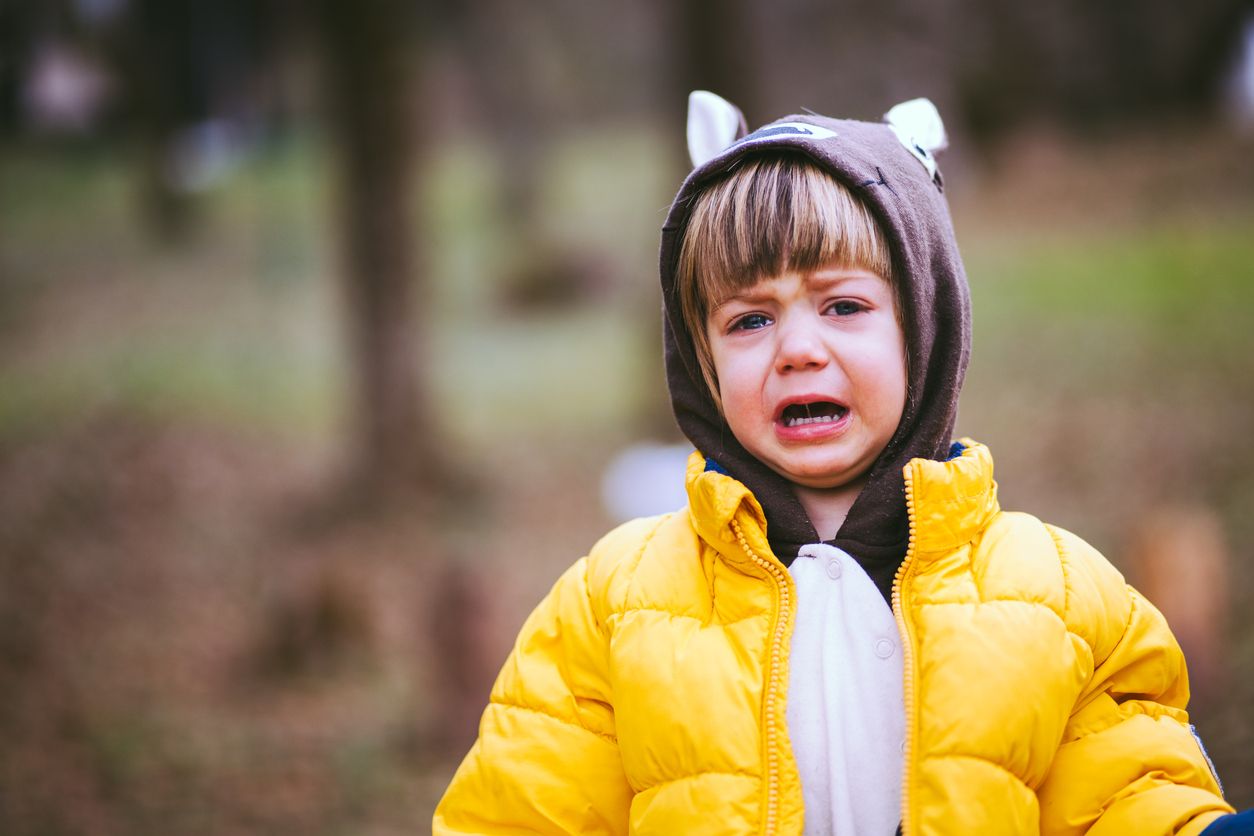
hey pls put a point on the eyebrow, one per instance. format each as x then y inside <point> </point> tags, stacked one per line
<point>749,296</point>
<point>828,281</point>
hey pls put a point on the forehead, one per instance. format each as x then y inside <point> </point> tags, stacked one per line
<point>775,214</point>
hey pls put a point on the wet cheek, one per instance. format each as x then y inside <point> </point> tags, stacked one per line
<point>896,398</point>
<point>745,377</point>
<point>742,399</point>
<point>738,403</point>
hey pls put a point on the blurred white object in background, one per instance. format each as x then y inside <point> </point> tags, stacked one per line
<point>65,89</point>
<point>646,478</point>
<point>1240,82</point>
<point>200,156</point>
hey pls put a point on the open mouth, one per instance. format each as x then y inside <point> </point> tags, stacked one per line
<point>819,412</point>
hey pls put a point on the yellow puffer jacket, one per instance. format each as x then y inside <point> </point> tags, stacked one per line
<point>646,694</point>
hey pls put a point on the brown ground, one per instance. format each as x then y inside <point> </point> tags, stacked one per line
<point>195,639</point>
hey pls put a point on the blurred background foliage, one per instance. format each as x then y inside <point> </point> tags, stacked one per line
<point>319,324</point>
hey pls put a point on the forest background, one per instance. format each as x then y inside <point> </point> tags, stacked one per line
<point>322,324</point>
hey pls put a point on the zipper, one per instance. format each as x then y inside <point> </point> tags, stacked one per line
<point>783,615</point>
<point>904,571</point>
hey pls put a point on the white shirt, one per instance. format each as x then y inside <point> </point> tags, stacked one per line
<point>846,713</point>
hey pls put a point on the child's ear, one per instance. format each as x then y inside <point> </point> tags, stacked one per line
<point>713,124</point>
<point>918,126</point>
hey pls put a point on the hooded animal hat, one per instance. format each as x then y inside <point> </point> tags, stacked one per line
<point>891,167</point>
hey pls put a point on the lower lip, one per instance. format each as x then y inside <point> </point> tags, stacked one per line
<point>813,432</point>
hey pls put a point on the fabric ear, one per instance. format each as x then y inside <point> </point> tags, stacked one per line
<point>713,124</point>
<point>918,126</point>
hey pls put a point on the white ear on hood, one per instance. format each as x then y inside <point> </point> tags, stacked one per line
<point>713,124</point>
<point>918,126</point>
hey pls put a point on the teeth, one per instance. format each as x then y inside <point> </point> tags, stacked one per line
<point>817,419</point>
<point>819,412</point>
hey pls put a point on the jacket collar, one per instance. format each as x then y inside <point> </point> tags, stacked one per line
<point>715,499</point>
<point>950,503</point>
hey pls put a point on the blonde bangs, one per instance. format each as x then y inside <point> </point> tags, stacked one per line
<point>772,214</point>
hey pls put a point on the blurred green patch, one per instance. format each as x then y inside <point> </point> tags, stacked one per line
<point>1188,285</point>
<point>243,323</point>
<point>1106,308</point>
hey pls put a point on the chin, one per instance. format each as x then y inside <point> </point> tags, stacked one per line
<point>823,484</point>
<point>823,478</point>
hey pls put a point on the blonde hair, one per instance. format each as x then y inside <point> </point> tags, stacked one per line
<point>772,214</point>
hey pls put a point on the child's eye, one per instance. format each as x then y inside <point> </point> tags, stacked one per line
<point>751,322</point>
<point>845,307</point>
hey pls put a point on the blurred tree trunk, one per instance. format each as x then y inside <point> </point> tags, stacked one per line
<point>716,50</point>
<point>501,49</point>
<point>155,61</point>
<point>711,47</point>
<point>370,51</point>
<point>496,57</point>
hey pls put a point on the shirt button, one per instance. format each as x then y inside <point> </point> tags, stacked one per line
<point>833,568</point>
<point>883,648</point>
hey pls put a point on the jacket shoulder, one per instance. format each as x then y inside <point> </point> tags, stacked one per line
<point>648,563</point>
<point>1054,566</point>
<point>1099,600</point>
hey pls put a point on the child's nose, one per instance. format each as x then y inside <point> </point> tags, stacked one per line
<point>799,347</point>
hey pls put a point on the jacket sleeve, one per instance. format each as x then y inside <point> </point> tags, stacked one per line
<point>1129,761</point>
<point>546,760</point>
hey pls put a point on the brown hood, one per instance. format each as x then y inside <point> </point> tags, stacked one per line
<point>908,204</point>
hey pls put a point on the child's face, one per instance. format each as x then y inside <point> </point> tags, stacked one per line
<point>811,372</point>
